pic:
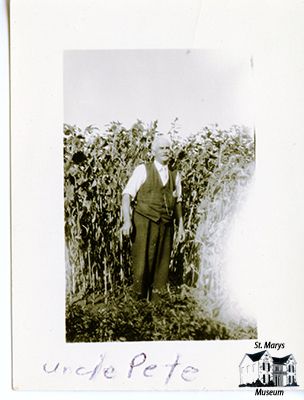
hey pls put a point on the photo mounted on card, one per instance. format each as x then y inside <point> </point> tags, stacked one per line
<point>143,252</point>
<point>159,154</point>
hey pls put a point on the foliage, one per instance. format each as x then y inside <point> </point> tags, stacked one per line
<point>215,166</point>
<point>257,383</point>
<point>176,316</point>
<point>97,167</point>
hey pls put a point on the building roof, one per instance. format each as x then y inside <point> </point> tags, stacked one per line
<point>281,360</point>
<point>256,356</point>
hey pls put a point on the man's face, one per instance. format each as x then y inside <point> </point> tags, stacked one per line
<point>162,151</point>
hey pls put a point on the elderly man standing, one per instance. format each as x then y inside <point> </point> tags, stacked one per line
<point>156,191</point>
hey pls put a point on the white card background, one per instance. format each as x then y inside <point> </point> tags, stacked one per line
<point>40,31</point>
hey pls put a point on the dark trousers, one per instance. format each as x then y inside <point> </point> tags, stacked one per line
<point>151,249</point>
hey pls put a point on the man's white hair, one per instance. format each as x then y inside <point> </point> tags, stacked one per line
<point>160,138</point>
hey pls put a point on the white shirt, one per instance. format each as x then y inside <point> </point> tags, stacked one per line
<point>139,177</point>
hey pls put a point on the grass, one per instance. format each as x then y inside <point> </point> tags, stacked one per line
<point>176,316</point>
<point>216,166</point>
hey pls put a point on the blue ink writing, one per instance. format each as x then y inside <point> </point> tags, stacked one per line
<point>138,366</point>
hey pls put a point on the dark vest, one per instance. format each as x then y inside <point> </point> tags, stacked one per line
<point>154,200</point>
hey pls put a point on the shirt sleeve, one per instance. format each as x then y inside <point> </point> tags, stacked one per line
<point>136,180</point>
<point>178,184</point>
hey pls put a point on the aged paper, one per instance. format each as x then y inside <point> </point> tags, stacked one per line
<point>267,235</point>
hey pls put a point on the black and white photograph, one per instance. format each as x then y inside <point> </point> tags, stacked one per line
<point>159,155</point>
<point>155,220</point>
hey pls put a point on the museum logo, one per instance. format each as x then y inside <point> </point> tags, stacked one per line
<point>262,370</point>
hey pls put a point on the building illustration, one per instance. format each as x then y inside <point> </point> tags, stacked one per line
<point>263,369</point>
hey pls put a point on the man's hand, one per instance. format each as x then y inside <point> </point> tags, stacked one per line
<point>126,228</point>
<point>126,215</point>
<point>181,234</point>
